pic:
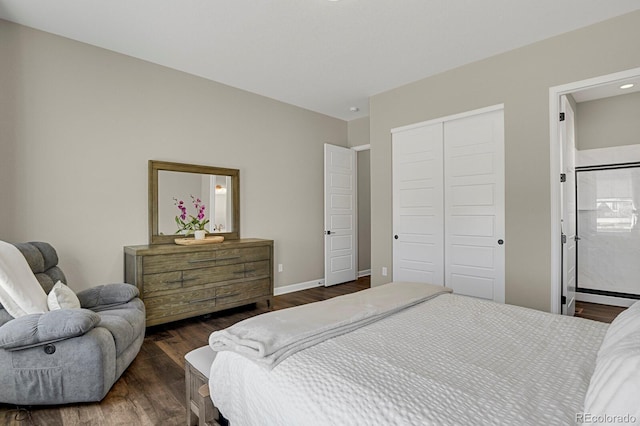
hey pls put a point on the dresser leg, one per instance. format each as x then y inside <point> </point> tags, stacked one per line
<point>269,304</point>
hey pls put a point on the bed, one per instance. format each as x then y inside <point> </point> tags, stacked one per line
<point>415,354</point>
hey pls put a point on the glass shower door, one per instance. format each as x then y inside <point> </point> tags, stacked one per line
<point>608,199</point>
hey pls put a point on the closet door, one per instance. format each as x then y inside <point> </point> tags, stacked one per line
<point>418,205</point>
<point>474,205</point>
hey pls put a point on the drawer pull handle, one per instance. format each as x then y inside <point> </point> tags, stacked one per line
<point>202,260</point>
<point>250,271</point>
<point>229,295</point>
<point>206,299</point>
<point>228,258</point>
<point>173,282</point>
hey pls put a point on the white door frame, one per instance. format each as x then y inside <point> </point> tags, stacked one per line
<point>554,144</point>
<point>496,107</point>
<point>365,147</point>
<point>359,272</point>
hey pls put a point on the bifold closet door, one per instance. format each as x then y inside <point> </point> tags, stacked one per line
<point>418,212</point>
<point>474,205</point>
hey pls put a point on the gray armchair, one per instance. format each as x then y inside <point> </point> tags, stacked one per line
<point>68,355</point>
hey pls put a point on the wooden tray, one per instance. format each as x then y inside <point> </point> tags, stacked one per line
<point>193,241</point>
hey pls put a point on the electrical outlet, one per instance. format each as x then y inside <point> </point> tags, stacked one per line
<point>384,271</point>
<point>279,267</point>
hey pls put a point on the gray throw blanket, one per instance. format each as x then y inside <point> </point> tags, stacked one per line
<point>270,338</point>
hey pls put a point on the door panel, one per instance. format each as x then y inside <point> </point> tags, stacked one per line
<point>340,240</point>
<point>472,285</point>
<point>473,226</point>
<point>472,194</point>
<point>474,205</point>
<point>417,205</point>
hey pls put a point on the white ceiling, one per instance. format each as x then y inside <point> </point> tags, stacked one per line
<point>607,90</point>
<point>326,56</point>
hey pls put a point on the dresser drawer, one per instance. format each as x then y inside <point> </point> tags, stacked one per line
<point>160,282</point>
<point>257,269</point>
<point>212,275</point>
<point>196,260</point>
<point>243,291</point>
<point>179,303</point>
<point>181,261</point>
<point>242,255</point>
<point>163,281</point>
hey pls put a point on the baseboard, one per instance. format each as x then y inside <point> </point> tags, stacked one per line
<point>297,287</point>
<point>309,284</point>
<point>364,273</point>
<point>605,300</point>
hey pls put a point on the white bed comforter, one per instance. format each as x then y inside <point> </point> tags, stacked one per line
<point>270,338</point>
<point>452,360</point>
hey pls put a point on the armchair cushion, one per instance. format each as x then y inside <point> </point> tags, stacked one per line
<point>39,329</point>
<point>107,296</point>
<point>62,297</point>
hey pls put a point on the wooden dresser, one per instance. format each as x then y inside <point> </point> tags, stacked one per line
<point>177,282</point>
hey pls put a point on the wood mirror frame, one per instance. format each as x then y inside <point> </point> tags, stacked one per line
<point>155,166</point>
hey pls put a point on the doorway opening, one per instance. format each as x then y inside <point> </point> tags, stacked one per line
<point>578,92</point>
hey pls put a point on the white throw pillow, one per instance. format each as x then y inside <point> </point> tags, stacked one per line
<point>615,383</point>
<point>20,291</point>
<point>627,322</point>
<point>62,297</point>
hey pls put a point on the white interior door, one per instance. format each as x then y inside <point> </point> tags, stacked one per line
<point>568,207</point>
<point>418,205</point>
<point>474,205</point>
<point>340,224</point>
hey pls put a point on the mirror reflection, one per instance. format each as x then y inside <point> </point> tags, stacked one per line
<point>190,201</point>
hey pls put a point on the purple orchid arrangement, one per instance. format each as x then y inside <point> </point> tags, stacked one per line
<point>188,224</point>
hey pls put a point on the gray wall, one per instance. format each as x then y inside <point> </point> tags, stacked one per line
<point>608,122</point>
<point>364,210</point>
<point>358,131</point>
<point>78,125</point>
<point>521,80</point>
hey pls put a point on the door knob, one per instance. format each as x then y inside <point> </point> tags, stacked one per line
<point>395,236</point>
<point>501,242</point>
<point>328,232</point>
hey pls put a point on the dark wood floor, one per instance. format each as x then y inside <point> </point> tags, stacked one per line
<point>597,312</point>
<point>152,390</point>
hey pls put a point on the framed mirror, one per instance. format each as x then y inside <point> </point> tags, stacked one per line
<point>182,196</point>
